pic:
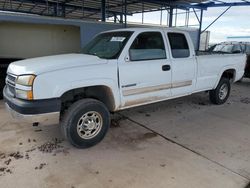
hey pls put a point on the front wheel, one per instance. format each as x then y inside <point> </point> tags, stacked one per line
<point>85,123</point>
<point>221,93</point>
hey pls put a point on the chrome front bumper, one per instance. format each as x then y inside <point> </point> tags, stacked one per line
<point>43,119</point>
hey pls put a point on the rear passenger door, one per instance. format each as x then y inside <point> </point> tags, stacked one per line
<point>183,63</point>
<point>145,72</point>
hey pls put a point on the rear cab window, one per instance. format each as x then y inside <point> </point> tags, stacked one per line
<point>236,48</point>
<point>179,45</point>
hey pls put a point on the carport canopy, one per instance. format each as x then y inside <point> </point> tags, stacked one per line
<point>94,9</point>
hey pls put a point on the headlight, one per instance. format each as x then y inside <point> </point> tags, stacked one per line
<point>24,87</point>
<point>26,80</point>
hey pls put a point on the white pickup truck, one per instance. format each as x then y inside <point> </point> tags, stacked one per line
<point>118,69</point>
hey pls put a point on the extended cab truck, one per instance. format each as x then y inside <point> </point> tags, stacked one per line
<point>117,70</point>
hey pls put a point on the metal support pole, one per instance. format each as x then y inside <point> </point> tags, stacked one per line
<point>115,18</point>
<point>83,9</point>
<point>167,17</point>
<point>47,6</point>
<point>170,18</point>
<point>200,27</point>
<point>103,10</point>
<point>175,17</point>
<point>142,14</point>
<point>55,10</point>
<point>196,15</point>
<point>121,18</point>
<point>4,4</point>
<point>161,17</point>
<point>216,19</point>
<point>63,10</point>
<point>188,17</point>
<point>125,13</point>
<point>20,5</point>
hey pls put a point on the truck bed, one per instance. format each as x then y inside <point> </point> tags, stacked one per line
<point>210,66</point>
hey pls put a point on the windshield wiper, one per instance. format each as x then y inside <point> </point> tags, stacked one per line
<point>88,53</point>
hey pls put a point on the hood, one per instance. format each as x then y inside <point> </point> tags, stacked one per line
<point>51,63</point>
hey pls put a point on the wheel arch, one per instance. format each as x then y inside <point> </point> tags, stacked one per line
<point>99,92</point>
<point>229,73</point>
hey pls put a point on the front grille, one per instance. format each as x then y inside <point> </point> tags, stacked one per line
<point>11,83</point>
<point>11,78</point>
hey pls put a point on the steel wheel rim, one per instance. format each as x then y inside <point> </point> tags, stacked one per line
<point>223,91</point>
<point>89,125</point>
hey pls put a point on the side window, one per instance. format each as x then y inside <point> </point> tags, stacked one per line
<point>243,48</point>
<point>147,46</point>
<point>179,45</point>
<point>236,48</point>
<point>248,49</point>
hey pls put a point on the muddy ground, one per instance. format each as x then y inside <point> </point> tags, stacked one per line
<point>185,142</point>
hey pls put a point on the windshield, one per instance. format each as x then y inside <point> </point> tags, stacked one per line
<point>107,45</point>
<point>227,48</point>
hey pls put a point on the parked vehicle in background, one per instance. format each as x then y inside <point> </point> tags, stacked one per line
<point>117,70</point>
<point>211,47</point>
<point>236,47</point>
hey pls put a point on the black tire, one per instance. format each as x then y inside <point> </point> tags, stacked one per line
<point>76,131</point>
<point>216,96</point>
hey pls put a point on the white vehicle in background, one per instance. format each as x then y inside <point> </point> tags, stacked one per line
<point>117,70</point>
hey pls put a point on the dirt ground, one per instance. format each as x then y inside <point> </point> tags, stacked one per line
<point>185,142</point>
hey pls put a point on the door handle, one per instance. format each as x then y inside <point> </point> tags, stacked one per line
<point>166,67</point>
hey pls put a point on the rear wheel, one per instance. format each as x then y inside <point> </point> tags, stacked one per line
<point>85,123</point>
<point>221,93</point>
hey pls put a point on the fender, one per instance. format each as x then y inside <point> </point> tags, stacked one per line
<point>228,67</point>
<point>53,84</point>
<point>59,90</point>
<point>96,82</point>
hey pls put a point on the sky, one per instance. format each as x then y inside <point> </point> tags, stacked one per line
<point>235,22</point>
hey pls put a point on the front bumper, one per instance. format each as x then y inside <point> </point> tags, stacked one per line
<point>45,111</point>
<point>43,119</point>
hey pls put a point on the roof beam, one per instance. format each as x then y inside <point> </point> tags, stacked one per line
<point>27,12</point>
<point>62,4</point>
<point>214,4</point>
<point>179,5</point>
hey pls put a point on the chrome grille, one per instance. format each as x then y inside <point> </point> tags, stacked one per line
<point>11,83</point>
<point>11,78</point>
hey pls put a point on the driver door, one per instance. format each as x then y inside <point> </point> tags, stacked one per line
<point>145,76</point>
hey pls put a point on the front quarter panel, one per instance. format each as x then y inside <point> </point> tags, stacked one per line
<point>54,84</point>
